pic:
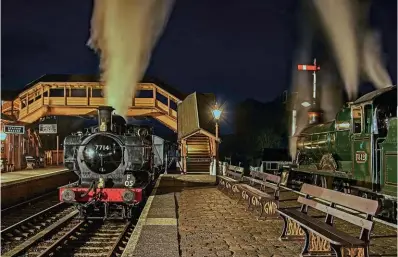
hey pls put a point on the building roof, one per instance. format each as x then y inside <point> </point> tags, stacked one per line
<point>83,78</point>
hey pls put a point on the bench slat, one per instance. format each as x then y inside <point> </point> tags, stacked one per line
<point>322,229</point>
<point>255,190</point>
<point>351,201</point>
<point>273,178</point>
<point>361,222</point>
<point>235,174</point>
<point>254,180</point>
<point>270,185</point>
<point>228,179</point>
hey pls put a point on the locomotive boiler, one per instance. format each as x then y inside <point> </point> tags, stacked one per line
<point>355,153</point>
<point>114,163</point>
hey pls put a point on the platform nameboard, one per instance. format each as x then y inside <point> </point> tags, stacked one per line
<point>47,128</point>
<point>9,129</point>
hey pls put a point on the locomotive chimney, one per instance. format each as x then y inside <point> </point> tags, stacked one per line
<point>105,118</point>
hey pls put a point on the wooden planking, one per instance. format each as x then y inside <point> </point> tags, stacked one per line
<point>351,201</point>
<point>97,101</point>
<point>236,168</point>
<point>271,177</point>
<point>144,102</point>
<point>359,221</point>
<point>57,101</point>
<point>162,106</point>
<point>60,105</point>
<point>76,101</point>
<point>35,105</point>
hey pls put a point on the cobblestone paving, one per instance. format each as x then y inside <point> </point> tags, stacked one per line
<point>211,224</point>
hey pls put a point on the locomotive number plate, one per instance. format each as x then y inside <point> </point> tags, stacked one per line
<point>361,157</point>
<point>129,180</point>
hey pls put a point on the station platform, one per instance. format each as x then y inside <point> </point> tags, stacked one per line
<point>186,215</point>
<point>18,186</point>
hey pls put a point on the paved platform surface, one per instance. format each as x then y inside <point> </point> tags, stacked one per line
<point>24,175</point>
<point>188,216</point>
<point>20,186</point>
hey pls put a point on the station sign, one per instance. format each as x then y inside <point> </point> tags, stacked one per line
<point>10,129</point>
<point>48,129</point>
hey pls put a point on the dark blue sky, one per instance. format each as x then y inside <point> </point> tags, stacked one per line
<point>235,48</point>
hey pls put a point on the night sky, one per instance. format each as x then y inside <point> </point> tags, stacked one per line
<point>236,49</point>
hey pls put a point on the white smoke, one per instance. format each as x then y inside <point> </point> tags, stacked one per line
<point>301,86</point>
<point>340,25</point>
<point>124,33</point>
<point>372,61</point>
<point>345,23</point>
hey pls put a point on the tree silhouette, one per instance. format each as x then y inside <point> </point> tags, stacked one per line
<point>268,138</point>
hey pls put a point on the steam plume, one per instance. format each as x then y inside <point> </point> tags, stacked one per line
<point>301,84</point>
<point>340,24</point>
<point>346,25</point>
<point>372,61</point>
<point>124,33</point>
<point>331,95</point>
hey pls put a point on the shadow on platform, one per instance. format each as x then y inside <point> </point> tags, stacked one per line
<point>172,183</point>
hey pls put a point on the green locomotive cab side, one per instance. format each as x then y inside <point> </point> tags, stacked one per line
<point>371,116</point>
<point>388,161</point>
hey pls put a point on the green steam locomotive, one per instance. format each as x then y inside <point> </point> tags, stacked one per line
<point>355,153</point>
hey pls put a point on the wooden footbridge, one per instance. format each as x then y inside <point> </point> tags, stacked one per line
<point>60,95</point>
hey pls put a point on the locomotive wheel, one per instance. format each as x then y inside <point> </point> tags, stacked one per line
<point>341,186</point>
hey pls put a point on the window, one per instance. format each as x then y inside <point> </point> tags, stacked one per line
<point>357,120</point>
<point>368,118</point>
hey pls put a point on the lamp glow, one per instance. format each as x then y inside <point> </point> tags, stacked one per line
<point>3,136</point>
<point>216,113</point>
<point>305,104</point>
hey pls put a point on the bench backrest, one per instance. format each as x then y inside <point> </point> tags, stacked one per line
<point>30,159</point>
<point>363,205</point>
<point>234,171</point>
<point>271,178</point>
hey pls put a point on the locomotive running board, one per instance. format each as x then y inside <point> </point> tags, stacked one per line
<point>339,174</point>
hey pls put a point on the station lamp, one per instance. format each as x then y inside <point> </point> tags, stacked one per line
<point>216,111</point>
<point>3,136</point>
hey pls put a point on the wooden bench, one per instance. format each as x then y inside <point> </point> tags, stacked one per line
<point>321,237</point>
<point>232,177</point>
<point>30,162</point>
<point>255,193</point>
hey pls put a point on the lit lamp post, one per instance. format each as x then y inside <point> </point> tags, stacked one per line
<point>216,114</point>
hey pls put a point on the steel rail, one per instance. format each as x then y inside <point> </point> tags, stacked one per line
<point>26,202</point>
<point>37,215</point>
<point>65,237</point>
<point>17,251</point>
<point>121,236</point>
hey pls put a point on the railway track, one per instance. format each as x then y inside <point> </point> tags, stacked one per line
<point>22,211</point>
<point>74,237</point>
<point>37,224</point>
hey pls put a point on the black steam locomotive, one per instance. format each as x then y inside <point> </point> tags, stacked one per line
<point>114,163</point>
